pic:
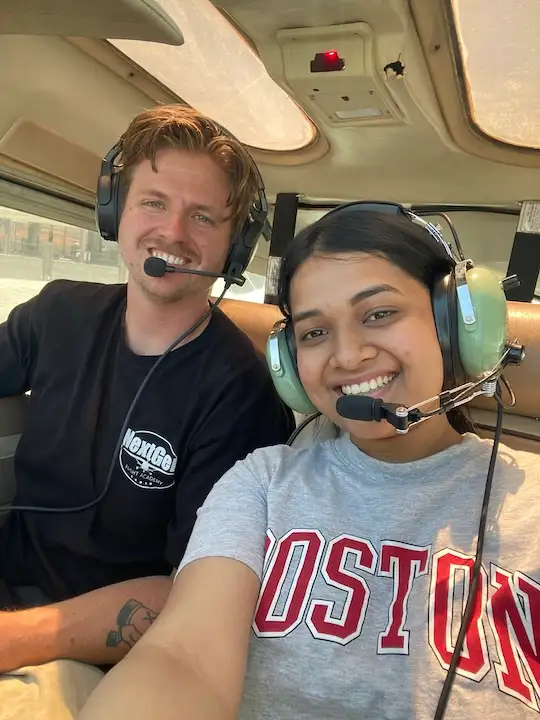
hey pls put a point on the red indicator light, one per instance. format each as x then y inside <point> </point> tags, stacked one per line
<point>328,61</point>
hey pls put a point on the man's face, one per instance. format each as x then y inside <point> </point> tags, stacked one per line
<point>180,214</point>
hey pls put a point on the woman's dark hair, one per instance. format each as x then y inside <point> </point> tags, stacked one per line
<point>394,237</point>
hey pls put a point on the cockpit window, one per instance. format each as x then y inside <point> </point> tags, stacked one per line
<point>499,44</point>
<point>217,72</point>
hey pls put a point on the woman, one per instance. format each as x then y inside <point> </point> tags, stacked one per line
<point>329,582</point>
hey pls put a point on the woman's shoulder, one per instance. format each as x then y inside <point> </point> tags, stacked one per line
<point>524,460</point>
<point>511,462</point>
<point>507,453</point>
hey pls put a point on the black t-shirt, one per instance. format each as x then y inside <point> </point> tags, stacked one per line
<point>209,404</point>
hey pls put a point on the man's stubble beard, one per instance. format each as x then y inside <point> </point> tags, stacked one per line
<point>185,291</point>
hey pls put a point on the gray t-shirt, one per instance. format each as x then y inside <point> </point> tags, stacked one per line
<point>363,565</point>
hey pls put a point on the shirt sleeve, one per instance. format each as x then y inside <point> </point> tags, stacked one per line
<point>247,415</point>
<point>232,522</point>
<point>18,349</point>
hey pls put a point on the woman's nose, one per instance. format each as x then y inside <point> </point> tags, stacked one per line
<point>351,350</point>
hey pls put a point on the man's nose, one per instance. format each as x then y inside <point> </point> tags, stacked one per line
<point>174,227</point>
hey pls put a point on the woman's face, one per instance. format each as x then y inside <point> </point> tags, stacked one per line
<point>364,327</point>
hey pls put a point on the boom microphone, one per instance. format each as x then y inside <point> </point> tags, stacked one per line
<point>365,408</point>
<point>368,409</point>
<point>157,267</point>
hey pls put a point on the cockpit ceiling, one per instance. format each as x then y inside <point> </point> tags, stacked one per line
<point>65,101</point>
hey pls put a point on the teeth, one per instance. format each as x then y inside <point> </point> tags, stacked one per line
<point>169,259</point>
<point>368,385</point>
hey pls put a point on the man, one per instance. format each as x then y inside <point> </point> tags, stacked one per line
<point>183,195</point>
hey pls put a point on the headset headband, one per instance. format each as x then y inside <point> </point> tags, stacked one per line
<point>396,209</point>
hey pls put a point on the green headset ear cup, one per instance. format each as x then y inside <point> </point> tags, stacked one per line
<point>281,359</point>
<point>482,344</point>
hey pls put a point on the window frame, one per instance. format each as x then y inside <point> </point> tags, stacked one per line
<point>434,23</point>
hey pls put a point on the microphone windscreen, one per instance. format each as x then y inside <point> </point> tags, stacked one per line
<point>357,407</point>
<point>155,267</point>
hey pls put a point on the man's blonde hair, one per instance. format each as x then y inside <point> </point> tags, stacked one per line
<point>182,127</point>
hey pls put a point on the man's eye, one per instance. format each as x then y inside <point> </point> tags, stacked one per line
<point>204,219</point>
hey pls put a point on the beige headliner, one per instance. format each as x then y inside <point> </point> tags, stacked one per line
<point>65,101</point>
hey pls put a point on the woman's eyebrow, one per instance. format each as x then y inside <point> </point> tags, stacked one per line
<point>358,297</point>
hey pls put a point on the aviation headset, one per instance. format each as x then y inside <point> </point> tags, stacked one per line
<point>110,198</point>
<point>469,307</point>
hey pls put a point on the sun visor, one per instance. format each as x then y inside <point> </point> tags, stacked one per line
<point>30,145</point>
<point>117,19</point>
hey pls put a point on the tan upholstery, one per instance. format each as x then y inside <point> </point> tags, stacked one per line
<point>57,690</point>
<point>523,324</point>
<point>257,320</point>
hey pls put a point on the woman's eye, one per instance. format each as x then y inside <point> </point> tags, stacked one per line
<point>312,334</point>
<point>380,315</point>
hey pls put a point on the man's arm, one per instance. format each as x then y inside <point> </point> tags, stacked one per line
<point>98,627</point>
<point>17,350</point>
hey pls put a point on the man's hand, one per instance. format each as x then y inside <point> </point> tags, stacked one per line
<point>18,632</point>
<point>11,652</point>
<point>99,627</point>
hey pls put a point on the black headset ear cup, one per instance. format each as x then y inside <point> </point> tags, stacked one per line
<point>445,310</point>
<point>245,240</point>
<point>109,197</point>
<point>242,249</point>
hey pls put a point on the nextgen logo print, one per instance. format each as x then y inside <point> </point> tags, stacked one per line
<point>148,459</point>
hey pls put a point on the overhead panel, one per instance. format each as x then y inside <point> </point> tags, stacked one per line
<point>332,72</point>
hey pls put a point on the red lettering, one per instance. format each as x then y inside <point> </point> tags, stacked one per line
<point>348,625</point>
<point>445,618</point>
<point>287,582</point>
<point>514,615</point>
<point>404,563</point>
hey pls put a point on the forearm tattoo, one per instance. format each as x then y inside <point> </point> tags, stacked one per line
<point>133,621</point>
